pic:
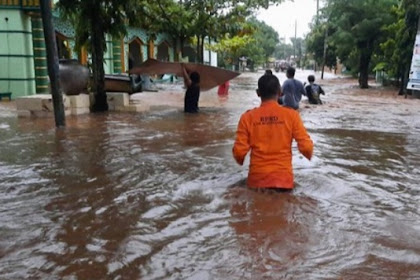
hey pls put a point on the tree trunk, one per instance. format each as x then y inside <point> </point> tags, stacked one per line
<point>324,57</point>
<point>182,40</point>
<point>202,49</point>
<point>400,80</point>
<point>197,49</point>
<point>53,66</point>
<point>404,81</point>
<point>365,56</point>
<point>98,42</point>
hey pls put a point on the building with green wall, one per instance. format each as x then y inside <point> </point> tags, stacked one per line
<point>23,63</point>
<point>17,60</point>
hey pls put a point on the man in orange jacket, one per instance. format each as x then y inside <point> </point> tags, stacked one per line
<point>268,131</point>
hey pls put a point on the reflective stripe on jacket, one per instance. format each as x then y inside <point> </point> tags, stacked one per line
<point>268,131</point>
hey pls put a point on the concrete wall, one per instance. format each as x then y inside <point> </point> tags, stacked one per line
<point>133,33</point>
<point>209,57</point>
<point>108,57</point>
<point>16,53</point>
<point>165,39</point>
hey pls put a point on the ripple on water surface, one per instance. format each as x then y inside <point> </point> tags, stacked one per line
<point>157,195</point>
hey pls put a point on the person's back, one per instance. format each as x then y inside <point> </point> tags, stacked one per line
<point>292,90</point>
<point>268,131</point>
<point>223,89</point>
<point>268,72</point>
<point>313,91</point>
<point>192,95</point>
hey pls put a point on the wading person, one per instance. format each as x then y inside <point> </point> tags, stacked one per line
<point>292,90</point>
<point>223,89</point>
<point>313,91</point>
<point>268,72</point>
<point>268,132</point>
<point>192,95</point>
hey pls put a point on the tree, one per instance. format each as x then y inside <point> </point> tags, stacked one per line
<point>358,29</point>
<point>256,41</point>
<point>299,50</point>
<point>283,50</point>
<point>166,16</point>
<point>198,18</point>
<point>398,48</point>
<point>93,19</point>
<point>315,43</point>
<point>214,15</point>
<point>266,37</point>
<point>52,58</point>
<point>230,48</point>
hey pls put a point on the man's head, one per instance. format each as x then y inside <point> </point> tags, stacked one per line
<point>268,87</point>
<point>290,73</point>
<point>195,77</point>
<point>311,78</point>
<point>268,72</point>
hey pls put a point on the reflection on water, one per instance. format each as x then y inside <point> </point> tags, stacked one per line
<point>157,195</point>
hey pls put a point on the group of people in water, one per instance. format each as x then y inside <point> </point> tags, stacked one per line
<point>292,90</point>
<point>290,93</point>
<point>267,132</point>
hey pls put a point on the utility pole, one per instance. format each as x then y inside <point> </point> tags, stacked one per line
<point>52,60</point>
<point>285,55</point>
<point>294,43</point>
<point>317,22</point>
<point>317,11</point>
<point>324,58</point>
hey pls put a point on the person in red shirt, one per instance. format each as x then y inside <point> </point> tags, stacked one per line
<point>268,132</point>
<point>223,89</point>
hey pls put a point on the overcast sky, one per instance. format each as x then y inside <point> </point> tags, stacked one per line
<point>282,17</point>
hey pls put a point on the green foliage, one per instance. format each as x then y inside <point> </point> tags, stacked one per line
<point>315,42</point>
<point>93,19</point>
<point>266,37</point>
<point>358,29</point>
<point>397,50</point>
<point>230,48</point>
<point>111,15</point>
<point>256,40</point>
<point>299,49</point>
<point>283,50</point>
<point>198,18</point>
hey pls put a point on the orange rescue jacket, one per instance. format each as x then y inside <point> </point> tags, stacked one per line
<point>268,131</point>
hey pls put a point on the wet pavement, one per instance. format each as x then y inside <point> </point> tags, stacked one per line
<point>157,195</point>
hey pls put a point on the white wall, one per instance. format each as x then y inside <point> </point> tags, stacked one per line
<point>210,57</point>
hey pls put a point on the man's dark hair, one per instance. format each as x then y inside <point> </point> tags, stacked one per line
<point>291,72</point>
<point>311,78</point>
<point>195,77</point>
<point>268,86</point>
<point>268,72</point>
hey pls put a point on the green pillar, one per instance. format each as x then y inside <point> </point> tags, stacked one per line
<point>116,55</point>
<point>40,55</point>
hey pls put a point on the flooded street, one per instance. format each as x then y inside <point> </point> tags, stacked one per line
<point>158,195</point>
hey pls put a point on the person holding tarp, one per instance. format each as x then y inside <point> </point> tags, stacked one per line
<point>197,77</point>
<point>192,95</point>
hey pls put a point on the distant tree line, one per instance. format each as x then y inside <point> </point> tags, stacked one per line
<point>366,35</point>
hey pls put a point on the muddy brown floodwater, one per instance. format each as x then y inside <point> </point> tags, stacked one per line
<point>157,195</point>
